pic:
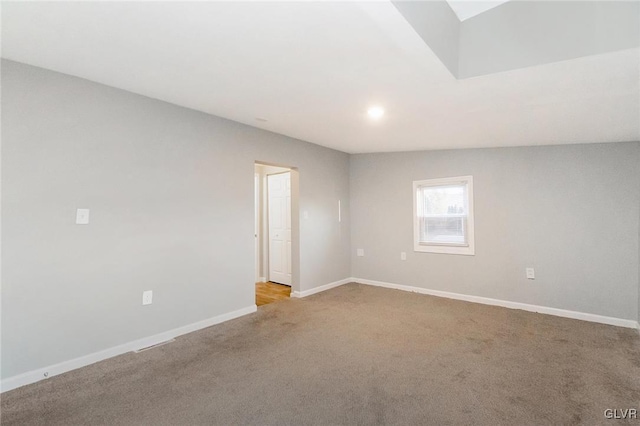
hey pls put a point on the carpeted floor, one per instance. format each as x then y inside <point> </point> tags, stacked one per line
<point>355,355</point>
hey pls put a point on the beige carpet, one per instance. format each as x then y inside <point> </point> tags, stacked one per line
<point>355,355</point>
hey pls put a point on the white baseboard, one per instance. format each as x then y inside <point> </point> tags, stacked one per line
<point>506,304</point>
<point>262,279</point>
<point>325,287</point>
<point>56,369</point>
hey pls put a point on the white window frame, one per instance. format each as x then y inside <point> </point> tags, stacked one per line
<point>467,249</point>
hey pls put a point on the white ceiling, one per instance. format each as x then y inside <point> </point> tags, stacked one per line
<point>312,69</point>
<point>466,9</point>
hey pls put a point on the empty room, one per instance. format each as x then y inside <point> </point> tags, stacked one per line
<point>320,213</point>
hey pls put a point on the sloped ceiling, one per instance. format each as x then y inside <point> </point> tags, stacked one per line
<point>465,9</point>
<point>311,69</point>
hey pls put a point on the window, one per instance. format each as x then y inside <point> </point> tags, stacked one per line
<point>443,215</point>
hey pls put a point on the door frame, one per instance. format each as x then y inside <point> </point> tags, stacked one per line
<point>256,222</point>
<point>295,222</point>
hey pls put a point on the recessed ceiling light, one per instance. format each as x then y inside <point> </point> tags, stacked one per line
<point>264,120</point>
<point>375,112</point>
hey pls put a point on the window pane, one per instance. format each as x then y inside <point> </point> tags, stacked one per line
<point>444,200</point>
<point>444,230</point>
<point>442,211</point>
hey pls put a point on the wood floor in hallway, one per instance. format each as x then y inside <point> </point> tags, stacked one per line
<point>270,292</point>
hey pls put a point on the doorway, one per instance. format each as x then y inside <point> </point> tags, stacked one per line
<point>274,232</point>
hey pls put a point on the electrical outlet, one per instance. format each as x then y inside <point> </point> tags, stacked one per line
<point>360,252</point>
<point>147,297</point>
<point>403,255</point>
<point>531,275</point>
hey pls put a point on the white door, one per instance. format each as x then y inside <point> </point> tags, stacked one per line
<point>279,195</point>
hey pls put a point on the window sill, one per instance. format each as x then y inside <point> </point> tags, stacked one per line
<point>444,249</point>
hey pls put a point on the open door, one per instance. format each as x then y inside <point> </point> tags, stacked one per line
<point>279,201</point>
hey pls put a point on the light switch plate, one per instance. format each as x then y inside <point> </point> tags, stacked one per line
<point>403,255</point>
<point>147,297</point>
<point>360,252</point>
<point>531,275</point>
<point>82,217</point>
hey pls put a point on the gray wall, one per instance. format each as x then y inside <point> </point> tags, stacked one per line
<point>171,197</point>
<point>571,212</point>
